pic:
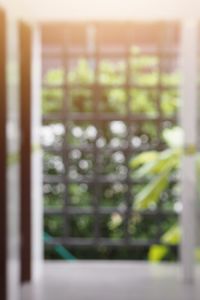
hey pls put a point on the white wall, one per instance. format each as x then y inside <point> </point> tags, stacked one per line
<point>111,9</point>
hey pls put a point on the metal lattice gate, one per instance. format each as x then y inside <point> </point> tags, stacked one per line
<point>109,91</point>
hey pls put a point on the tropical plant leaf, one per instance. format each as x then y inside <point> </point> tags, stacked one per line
<point>146,169</point>
<point>143,158</point>
<point>157,253</point>
<point>150,194</point>
<point>172,236</point>
<point>165,162</point>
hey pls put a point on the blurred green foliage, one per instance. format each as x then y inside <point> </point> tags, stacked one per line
<point>155,168</point>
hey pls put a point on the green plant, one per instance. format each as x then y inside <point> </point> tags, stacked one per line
<point>159,168</point>
<point>144,71</point>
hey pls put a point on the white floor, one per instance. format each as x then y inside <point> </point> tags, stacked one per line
<point>112,281</point>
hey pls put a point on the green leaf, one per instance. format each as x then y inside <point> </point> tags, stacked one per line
<point>150,194</point>
<point>157,253</point>
<point>165,163</point>
<point>143,158</point>
<point>146,169</point>
<point>172,236</point>
<point>168,160</point>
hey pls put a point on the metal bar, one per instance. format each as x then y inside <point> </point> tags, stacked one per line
<point>160,47</point>
<point>129,200</point>
<point>65,152</point>
<point>105,211</point>
<point>111,54</point>
<point>101,179</point>
<point>108,117</point>
<point>109,150</point>
<point>92,86</point>
<point>96,199</point>
<point>83,242</point>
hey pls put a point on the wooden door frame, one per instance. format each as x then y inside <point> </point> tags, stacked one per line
<point>25,41</point>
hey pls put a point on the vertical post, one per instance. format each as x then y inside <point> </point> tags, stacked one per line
<point>25,166</point>
<point>13,155</point>
<point>189,89</point>
<point>3,154</point>
<point>36,198</point>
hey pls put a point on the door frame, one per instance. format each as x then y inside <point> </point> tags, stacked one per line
<point>25,41</point>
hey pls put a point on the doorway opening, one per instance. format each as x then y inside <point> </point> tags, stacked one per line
<point>110,98</point>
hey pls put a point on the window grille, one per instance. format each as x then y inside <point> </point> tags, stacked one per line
<point>94,125</point>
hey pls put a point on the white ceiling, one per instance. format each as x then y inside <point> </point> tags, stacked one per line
<point>104,9</point>
<point>110,9</point>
